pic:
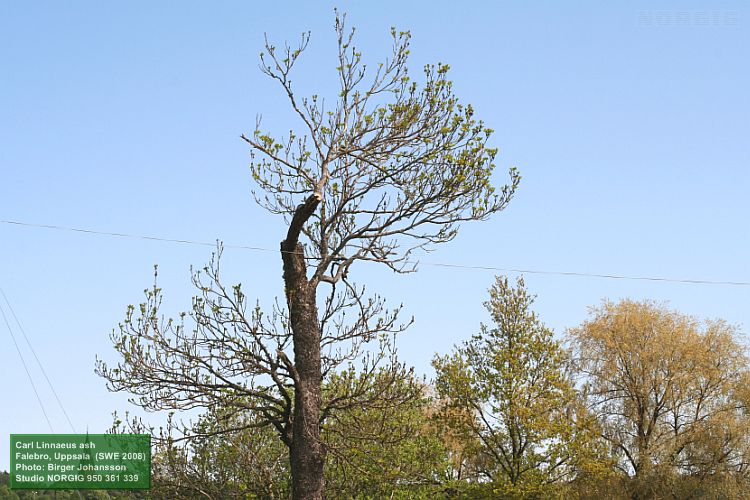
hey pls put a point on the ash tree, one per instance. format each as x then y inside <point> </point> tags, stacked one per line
<point>392,166</point>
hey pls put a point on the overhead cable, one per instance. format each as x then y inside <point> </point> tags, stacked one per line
<point>427,263</point>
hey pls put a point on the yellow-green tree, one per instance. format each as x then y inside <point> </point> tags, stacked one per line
<point>512,378</point>
<point>664,387</point>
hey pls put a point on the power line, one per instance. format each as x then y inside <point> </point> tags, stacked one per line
<point>434,264</point>
<point>594,275</point>
<point>26,368</point>
<point>38,362</point>
<point>28,374</point>
<point>133,236</point>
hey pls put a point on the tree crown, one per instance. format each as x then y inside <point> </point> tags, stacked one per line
<point>393,166</point>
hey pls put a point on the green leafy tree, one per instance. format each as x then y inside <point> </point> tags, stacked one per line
<point>374,451</point>
<point>508,391</point>
<point>379,450</point>
<point>227,456</point>
<point>388,166</point>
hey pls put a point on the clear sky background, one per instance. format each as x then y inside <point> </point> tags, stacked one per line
<point>629,123</point>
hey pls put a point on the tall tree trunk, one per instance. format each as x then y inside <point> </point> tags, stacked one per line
<point>307,455</point>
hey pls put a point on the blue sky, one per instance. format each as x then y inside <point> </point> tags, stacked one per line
<point>629,123</point>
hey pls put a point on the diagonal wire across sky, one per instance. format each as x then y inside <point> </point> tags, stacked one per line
<point>435,264</point>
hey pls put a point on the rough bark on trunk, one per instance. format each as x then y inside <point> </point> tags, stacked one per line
<point>307,455</point>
